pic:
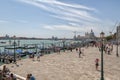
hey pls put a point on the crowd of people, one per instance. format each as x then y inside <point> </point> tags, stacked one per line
<point>32,56</point>
<point>107,48</point>
<point>6,58</point>
<point>6,74</point>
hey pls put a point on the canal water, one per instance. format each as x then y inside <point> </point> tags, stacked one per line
<point>39,43</point>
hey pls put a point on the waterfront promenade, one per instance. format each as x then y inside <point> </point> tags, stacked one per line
<point>68,66</point>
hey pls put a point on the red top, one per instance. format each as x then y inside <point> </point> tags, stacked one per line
<point>97,60</point>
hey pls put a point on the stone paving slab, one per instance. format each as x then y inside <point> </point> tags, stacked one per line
<point>67,66</point>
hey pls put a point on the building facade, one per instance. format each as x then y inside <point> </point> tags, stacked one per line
<point>88,35</point>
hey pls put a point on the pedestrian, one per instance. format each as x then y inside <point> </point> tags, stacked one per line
<point>76,49</point>
<point>32,77</point>
<point>28,77</point>
<point>108,51</point>
<point>38,56</point>
<point>33,56</point>
<point>12,77</point>
<point>96,63</point>
<point>1,74</point>
<point>80,52</point>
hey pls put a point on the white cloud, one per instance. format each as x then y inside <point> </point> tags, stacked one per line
<point>96,27</point>
<point>56,2</point>
<point>75,12</point>
<point>49,27</point>
<point>73,24</point>
<point>77,17</point>
<point>68,27</point>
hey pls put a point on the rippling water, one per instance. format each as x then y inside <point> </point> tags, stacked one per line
<point>40,42</point>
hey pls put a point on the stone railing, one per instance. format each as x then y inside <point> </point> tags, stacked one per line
<point>19,77</point>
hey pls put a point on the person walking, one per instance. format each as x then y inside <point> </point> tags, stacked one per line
<point>80,52</point>
<point>96,63</point>
<point>76,49</point>
<point>32,77</point>
<point>38,56</point>
<point>28,77</point>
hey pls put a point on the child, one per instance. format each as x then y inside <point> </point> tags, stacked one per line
<point>97,63</point>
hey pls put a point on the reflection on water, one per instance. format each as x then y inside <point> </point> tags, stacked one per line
<point>40,43</point>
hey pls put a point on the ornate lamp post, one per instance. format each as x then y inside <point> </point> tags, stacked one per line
<point>102,71</point>
<point>117,43</point>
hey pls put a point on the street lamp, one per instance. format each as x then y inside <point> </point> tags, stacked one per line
<point>102,71</point>
<point>14,43</point>
<point>117,43</point>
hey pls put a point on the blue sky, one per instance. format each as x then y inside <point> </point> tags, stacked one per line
<point>47,18</point>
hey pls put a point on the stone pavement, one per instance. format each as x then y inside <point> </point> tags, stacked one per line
<point>68,66</point>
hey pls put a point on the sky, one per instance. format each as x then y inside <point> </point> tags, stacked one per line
<point>60,18</point>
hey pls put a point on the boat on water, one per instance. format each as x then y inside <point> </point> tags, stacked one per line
<point>2,42</point>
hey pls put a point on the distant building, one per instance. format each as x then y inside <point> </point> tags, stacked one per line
<point>74,37</point>
<point>78,36</point>
<point>6,36</point>
<point>54,38</point>
<point>90,35</point>
<point>86,35</point>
